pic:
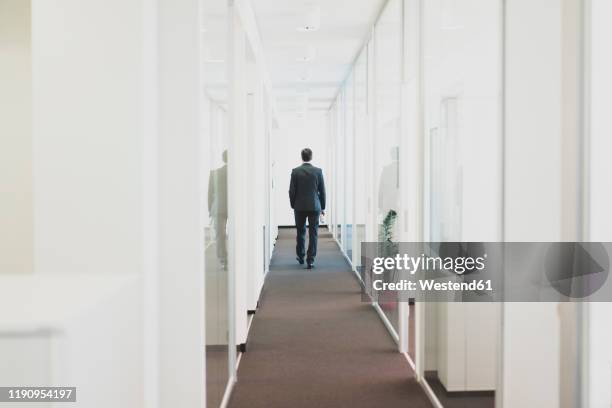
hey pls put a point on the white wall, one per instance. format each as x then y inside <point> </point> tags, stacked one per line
<point>87,155</point>
<point>600,165</point>
<point>539,142</point>
<point>87,135</point>
<point>294,135</point>
<point>118,177</point>
<point>16,212</point>
<point>599,378</point>
<point>181,207</point>
<point>257,187</point>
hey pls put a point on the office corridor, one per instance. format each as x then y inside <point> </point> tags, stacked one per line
<point>313,343</point>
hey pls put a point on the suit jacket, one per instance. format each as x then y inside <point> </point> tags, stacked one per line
<point>307,189</point>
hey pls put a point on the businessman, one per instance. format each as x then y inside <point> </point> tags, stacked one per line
<point>307,197</point>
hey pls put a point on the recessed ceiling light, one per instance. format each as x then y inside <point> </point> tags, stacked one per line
<point>306,28</point>
<point>312,19</point>
<point>308,54</point>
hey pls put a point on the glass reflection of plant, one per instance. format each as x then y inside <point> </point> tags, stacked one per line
<point>388,224</point>
<point>388,299</point>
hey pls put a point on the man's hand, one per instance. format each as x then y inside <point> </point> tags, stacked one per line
<point>323,212</point>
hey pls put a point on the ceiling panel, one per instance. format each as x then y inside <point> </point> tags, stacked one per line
<point>343,27</point>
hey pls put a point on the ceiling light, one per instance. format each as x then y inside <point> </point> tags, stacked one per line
<point>312,18</point>
<point>308,54</point>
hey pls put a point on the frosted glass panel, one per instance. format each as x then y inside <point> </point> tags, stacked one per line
<point>388,42</point>
<point>361,154</point>
<point>349,143</point>
<point>462,128</point>
<point>216,138</point>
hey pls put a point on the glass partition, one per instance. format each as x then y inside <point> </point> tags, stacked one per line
<point>333,119</point>
<point>340,169</point>
<point>215,142</point>
<point>349,136</point>
<point>388,44</point>
<point>362,154</point>
<point>461,44</point>
<point>331,174</point>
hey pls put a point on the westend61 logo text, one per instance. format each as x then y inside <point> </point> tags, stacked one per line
<point>459,265</point>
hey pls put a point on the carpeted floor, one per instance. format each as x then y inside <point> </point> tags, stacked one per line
<point>313,343</point>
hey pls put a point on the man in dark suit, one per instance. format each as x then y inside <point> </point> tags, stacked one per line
<point>307,197</point>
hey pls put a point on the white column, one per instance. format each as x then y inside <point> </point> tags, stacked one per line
<point>87,136</point>
<point>88,161</point>
<point>598,356</point>
<point>256,186</point>
<point>541,179</point>
<point>181,256</point>
<point>107,201</point>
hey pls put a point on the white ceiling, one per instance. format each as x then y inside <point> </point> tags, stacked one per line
<point>344,26</point>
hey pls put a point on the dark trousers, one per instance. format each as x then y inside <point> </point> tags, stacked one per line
<point>313,234</point>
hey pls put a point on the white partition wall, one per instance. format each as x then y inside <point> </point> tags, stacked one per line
<point>542,178</point>
<point>16,199</point>
<point>596,355</point>
<point>96,122</point>
<point>599,145</point>
<point>116,123</point>
<point>181,206</point>
<point>256,144</point>
<point>88,134</point>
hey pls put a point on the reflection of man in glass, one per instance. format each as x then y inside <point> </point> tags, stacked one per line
<point>217,207</point>
<point>388,187</point>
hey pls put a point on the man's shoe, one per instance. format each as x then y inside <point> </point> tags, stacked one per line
<point>300,260</point>
<point>310,266</point>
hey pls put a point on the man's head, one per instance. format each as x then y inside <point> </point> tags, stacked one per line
<point>306,155</point>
